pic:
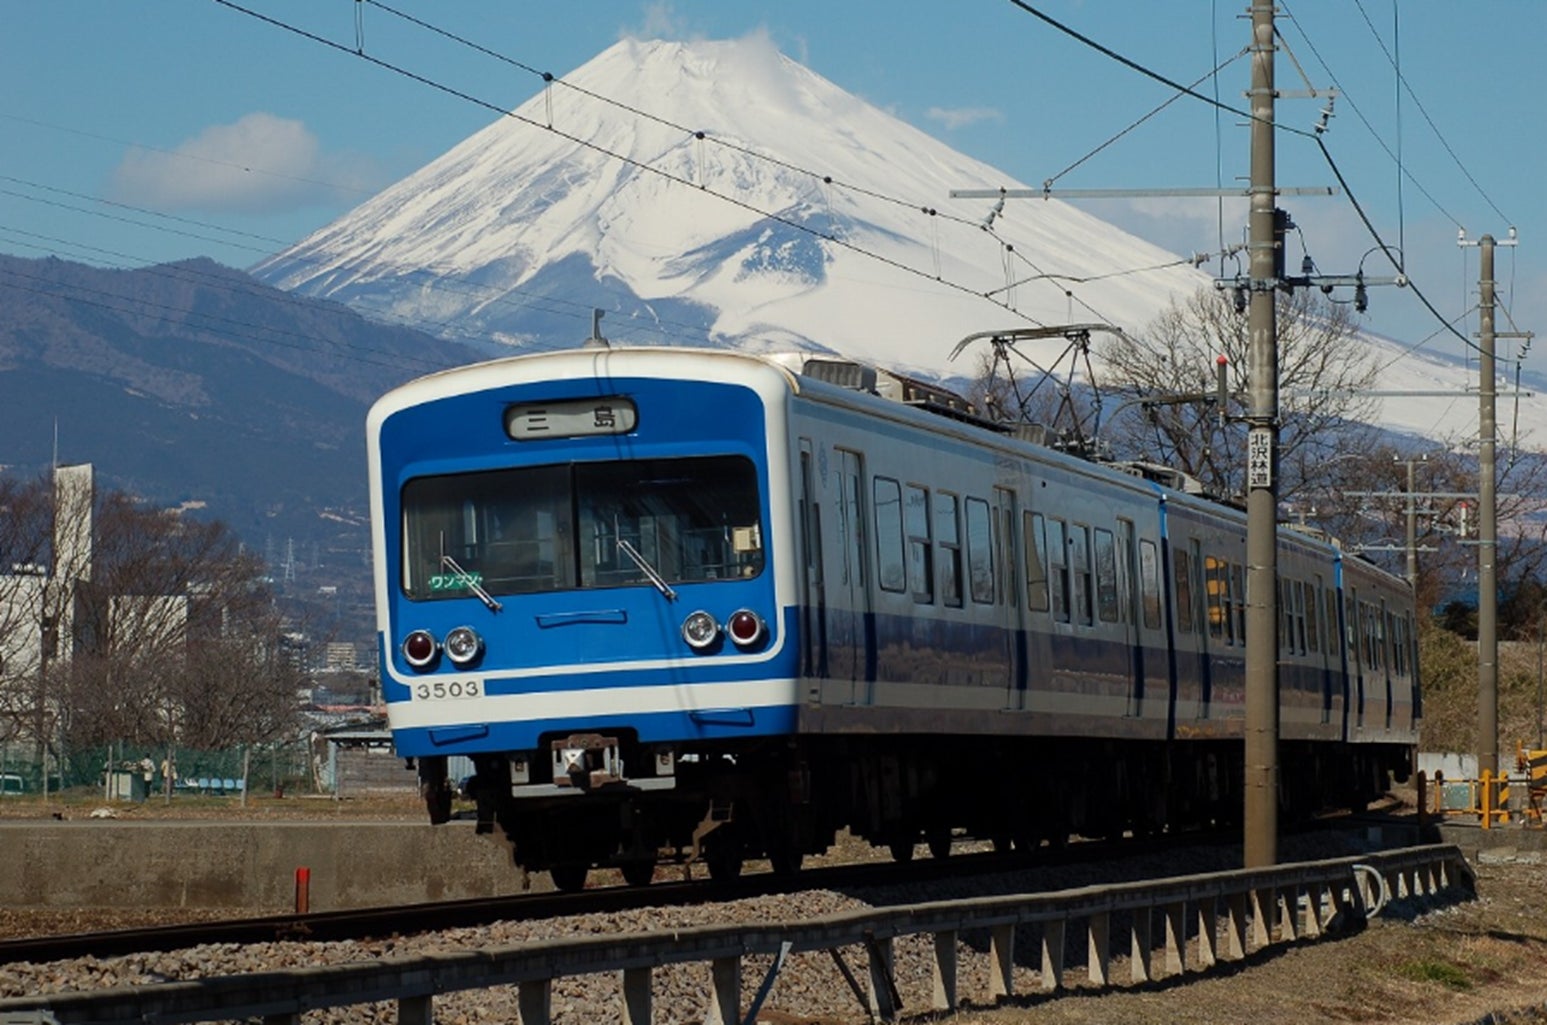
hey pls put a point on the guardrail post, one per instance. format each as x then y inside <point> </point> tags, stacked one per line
<point>1286,910</point>
<point>415,1010</point>
<point>533,1001</point>
<point>1053,955</point>
<point>1264,909</point>
<point>1175,921</point>
<point>1001,962</point>
<point>1208,933</point>
<point>724,991</point>
<point>1139,946</point>
<point>1235,926</point>
<point>944,981</point>
<point>1313,900</point>
<point>883,993</point>
<point>1098,957</point>
<point>636,995</point>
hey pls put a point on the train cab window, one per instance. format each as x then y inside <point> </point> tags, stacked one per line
<point>948,538</point>
<point>1079,573</point>
<point>1149,583</point>
<point>980,551</point>
<point>553,528</point>
<point>921,562</point>
<point>1036,562</point>
<point>890,572</point>
<point>1106,576</point>
<point>1217,584</point>
<point>1184,592</point>
<point>1058,569</point>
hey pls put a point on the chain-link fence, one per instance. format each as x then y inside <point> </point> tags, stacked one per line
<point>135,772</point>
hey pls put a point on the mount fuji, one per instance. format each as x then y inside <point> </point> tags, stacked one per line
<point>719,193</point>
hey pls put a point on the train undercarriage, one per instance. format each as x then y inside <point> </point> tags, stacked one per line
<point>781,800</point>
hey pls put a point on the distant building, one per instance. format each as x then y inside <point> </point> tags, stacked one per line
<point>339,656</point>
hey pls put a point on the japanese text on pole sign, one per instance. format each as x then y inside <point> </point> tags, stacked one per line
<point>1259,458</point>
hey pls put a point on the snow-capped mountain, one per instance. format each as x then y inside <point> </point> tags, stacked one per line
<point>721,193</point>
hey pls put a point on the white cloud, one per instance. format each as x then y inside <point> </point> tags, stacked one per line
<point>259,164</point>
<point>960,117</point>
<point>661,21</point>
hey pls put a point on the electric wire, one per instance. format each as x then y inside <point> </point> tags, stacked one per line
<point>1348,99</point>
<point>1047,183</point>
<point>1403,85</point>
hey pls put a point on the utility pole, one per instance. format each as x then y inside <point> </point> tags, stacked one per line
<point>1487,525</point>
<point>1260,844</point>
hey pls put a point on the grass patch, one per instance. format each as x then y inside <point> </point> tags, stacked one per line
<point>1442,972</point>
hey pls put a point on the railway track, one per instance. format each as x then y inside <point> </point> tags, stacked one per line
<point>382,922</point>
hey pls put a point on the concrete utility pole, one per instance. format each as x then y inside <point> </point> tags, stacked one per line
<point>1487,525</point>
<point>1261,798</point>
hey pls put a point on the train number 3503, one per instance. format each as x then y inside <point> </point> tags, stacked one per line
<point>441,689</point>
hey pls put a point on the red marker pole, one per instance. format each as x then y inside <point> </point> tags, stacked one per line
<point>303,890</point>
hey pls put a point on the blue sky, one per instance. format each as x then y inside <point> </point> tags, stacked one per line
<point>246,137</point>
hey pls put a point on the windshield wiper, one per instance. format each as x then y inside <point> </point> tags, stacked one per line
<point>467,578</point>
<point>647,569</point>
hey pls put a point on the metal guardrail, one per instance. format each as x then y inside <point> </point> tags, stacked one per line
<point>1231,914</point>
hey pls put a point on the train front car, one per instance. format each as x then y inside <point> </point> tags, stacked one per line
<point>578,587</point>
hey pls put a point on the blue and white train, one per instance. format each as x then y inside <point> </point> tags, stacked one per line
<point>679,604</point>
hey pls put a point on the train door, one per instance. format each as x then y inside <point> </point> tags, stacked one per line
<point>1008,591</point>
<point>1354,643</point>
<point>849,619</point>
<point>813,607</point>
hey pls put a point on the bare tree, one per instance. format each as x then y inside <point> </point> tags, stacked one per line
<point>151,628</point>
<point>1169,376</point>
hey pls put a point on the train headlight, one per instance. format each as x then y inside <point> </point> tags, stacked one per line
<point>746,628</point>
<point>700,630</point>
<point>420,648</point>
<point>463,645</point>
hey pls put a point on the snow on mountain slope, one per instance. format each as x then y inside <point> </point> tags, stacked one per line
<point>802,218</point>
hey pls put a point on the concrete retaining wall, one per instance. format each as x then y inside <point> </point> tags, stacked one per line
<point>248,865</point>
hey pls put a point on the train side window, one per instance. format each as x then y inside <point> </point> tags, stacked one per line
<point>1351,622</point>
<point>890,573</point>
<point>1106,576</point>
<point>1149,582</point>
<point>1238,600</point>
<point>921,563</point>
<point>980,551</point>
<point>1312,615</point>
<point>1285,614</point>
<point>1079,572</point>
<point>1183,569</point>
<point>1036,562</point>
<point>1334,633</point>
<point>948,537</point>
<point>1058,564</point>
<point>1297,595</point>
<point>1217,584</point>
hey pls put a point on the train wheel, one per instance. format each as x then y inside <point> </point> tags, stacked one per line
<point>724,860</point>
<point>638,873</point>
<point>785,861</point>
<point>939,843</point>
<point>902,851</point>
<point>569,878</point>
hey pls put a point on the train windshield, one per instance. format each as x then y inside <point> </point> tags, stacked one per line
<point>556,528</point>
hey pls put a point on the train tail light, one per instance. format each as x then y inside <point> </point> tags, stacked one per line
<point>420,648</point>
<point>746,628</point>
